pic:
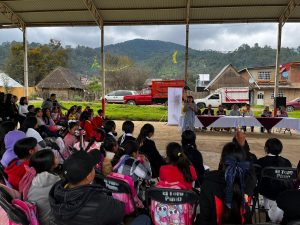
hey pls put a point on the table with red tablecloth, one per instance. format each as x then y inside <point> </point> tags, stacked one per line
<point>249,121</point>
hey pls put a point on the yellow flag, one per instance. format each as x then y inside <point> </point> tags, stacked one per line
<point>174,57</point>
<point>95,64</point>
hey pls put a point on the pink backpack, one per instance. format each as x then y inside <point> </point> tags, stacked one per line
<point>171,205</point>
<point>129,198</point>
<point>28,208</point>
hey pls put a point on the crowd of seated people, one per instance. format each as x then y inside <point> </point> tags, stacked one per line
<point>56,170</point>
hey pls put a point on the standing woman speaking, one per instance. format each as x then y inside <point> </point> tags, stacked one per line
<point>190,108</point>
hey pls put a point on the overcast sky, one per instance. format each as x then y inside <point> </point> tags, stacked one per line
<point>221,37</point>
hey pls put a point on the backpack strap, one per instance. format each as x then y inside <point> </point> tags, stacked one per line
<point>120,163</point>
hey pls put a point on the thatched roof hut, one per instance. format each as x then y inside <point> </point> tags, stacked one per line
<point>62,82</point>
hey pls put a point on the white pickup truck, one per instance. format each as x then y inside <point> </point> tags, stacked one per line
<point>226,97</point>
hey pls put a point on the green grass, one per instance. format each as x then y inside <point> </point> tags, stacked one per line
<point>142,113</point>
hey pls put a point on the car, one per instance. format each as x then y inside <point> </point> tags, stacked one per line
<point>293,105</point>
<point>118,96</point>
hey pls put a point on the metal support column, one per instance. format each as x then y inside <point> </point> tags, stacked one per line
<point>26,93</point>
<point>103,69</point>
<point>187,32</point>
<point>278,59</point>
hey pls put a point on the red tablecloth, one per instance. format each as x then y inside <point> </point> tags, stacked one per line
<point>207,120</point>
<point>268,122</point>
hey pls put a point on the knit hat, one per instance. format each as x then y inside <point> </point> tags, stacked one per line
<point>10,140</point>
<point>79,165</point>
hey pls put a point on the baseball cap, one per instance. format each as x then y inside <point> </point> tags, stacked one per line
<point>79,165</point>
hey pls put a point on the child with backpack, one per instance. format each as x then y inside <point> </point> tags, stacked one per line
<point>179,168</point>
<point>23,149</point>
<point>37,182</point>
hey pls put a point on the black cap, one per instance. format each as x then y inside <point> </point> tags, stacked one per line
<point>79,165</point>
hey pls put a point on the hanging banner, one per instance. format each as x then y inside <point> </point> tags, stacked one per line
<point>174,105</point>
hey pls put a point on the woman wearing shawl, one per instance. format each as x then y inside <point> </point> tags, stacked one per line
<point>224,197</point>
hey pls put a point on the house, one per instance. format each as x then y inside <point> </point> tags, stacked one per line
<point>264,80</point>
<point>63,83</point>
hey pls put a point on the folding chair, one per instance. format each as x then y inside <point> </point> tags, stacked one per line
<point>172,206</point>
<point>273,181</point>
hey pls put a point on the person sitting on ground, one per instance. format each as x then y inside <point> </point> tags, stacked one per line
<point>224,197</point>
<point>79,111</point>
<point>221,111</point>
<point>5,127</point>
<point>134,165</point>
<point>98,120</point>
<point>86,124</point>
<point>209,111</point>
<point>235,111</point>
<point>76,201</point>
<point>23,109</point>
<point>51,102</point>
<point>10,140</point>
<point>72,114</point>
<point>266,113</point>
<point>31,111</point>
<point>179,168</point>
<point>71,138</point>
<point>282,112</point>
<point>188,141</point>
<point>289,202</point>
<point>127,128</point>
<point>37,182</point>
<point>148,148</point>
<point>110,128</point>
<point>49,125</point>
<point>39,116</point>
<point>30,127</point>
<point>240,139</point>
<point>15,170</point>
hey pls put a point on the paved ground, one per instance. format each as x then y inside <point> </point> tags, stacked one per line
<point>211,143</point>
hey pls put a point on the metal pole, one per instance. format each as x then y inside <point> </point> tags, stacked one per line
<point>26,94</point>
<point>187,26</point>
<point>278,59</point>
<point>103,69</point>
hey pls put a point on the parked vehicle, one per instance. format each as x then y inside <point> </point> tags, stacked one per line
<point>293,105</point>
<point>118,96</point>
<point>156,92</point>
<point>226,97</point>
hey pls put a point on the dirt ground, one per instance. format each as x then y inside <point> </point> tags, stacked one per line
<point>210,143</point>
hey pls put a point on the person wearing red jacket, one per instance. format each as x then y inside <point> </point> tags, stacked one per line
<point>24,149</point>
<point>86,124</point>
<point>98,120</point>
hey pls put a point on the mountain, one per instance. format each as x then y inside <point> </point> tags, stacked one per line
<point>156,57</point>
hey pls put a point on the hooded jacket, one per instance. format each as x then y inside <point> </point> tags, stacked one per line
<point>88,204</point>
<point>10,140</point>
<point>213,193</point>
<point>39,194</point>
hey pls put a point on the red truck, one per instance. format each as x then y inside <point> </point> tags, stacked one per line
<point>156,92</point>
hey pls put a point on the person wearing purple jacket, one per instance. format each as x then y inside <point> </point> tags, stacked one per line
<point>9,140</point>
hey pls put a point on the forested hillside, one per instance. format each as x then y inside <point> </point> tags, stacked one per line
<point>156,57</point>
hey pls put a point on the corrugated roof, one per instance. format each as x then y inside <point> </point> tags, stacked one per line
<point>137,12</point>
<point>60,78</point>
<point>6,80</point>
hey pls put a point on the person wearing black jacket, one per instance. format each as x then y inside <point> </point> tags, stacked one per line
<point>224,196</point>
<point>127,128</point>
<point>289,202</point>
<point>188,141</point>
<point>78,202</point>
<point>148,148</point>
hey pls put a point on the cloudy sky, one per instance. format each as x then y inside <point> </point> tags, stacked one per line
<point>221,37</point>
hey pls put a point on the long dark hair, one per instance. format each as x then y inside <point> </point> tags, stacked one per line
<point>22,100</point>
<point>45,117</point>
<point>29,122</point>
<point>178,158</point>
<point>8,99</point>
<point>42,161</point>
<point>232,214</point>
<point>144,133</point>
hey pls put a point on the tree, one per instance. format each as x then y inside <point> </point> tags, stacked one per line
<point>42,59</point>
<point>94,87</point>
